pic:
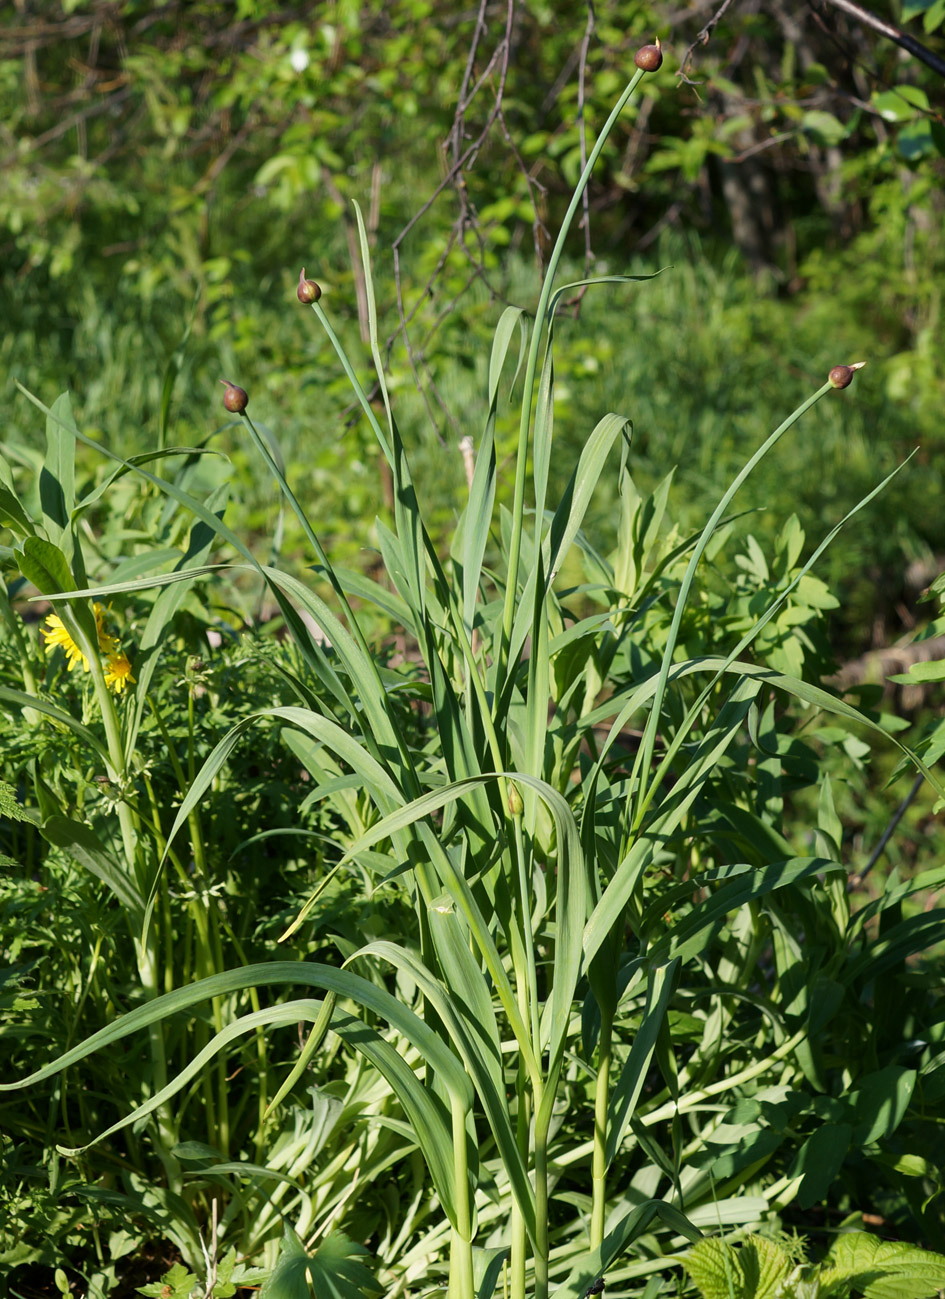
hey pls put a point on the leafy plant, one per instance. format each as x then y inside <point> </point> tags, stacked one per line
<point>571,798</point>
<point>856,1264</point>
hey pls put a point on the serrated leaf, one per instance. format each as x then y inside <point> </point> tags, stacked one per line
<point>175,1284</point>
<point>716,1269</point>
<point>9,807</point>
<point>883,1269</point>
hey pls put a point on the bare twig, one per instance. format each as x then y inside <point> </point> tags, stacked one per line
<point>763,144</point>
<point>90,110</point>
<point>856,880</point>
<point>702,39</point>
<point>903,39</point>
<point>465,221</point>
<point>582,72</point>
<point>536,191</point>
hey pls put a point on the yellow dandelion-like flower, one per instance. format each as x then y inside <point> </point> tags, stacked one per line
<point>58,635</point>
<point>118,671</point>
<point>106,644</point>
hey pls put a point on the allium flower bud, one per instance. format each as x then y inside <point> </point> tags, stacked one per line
<point>649,57</point>
<point>841,376</point>
<point>308,291</point>
<point>234,399</point>
<point>516,806</point>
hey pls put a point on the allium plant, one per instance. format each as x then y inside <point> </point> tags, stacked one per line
<point>587,823</point>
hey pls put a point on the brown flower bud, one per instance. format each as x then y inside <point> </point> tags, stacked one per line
<point>649,57</point>
<point>308,291</point>
<point>841,376</point>
<point>234,399</point>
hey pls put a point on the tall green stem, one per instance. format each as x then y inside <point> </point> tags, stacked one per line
<point>531,366</point>
<point>601,1098</point>
<point>145,949</point>
<point>461,1284</point>
<point>542,1125</point>
<point>519,1254</point>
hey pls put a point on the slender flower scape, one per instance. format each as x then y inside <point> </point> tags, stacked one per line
<point>117,666</point>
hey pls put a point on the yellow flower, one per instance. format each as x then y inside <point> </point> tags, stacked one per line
<point>118,671</point>
<point>106,644</point>
<point>57,635</point>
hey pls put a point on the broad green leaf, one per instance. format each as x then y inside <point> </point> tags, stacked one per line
<point>82,843</point>
<point>13,515</point>
<point>824,127</point>
<point>933,670</point>
<point>819,1160</point>
<point>883,1269</point>
<point>881,1100</point>
<point>570,513</point>
<point>661,984</point>
<point>43,563</point>
<point>57,477</point>
<point>900,104</point>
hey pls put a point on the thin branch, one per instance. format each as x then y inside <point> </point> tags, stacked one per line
<point>92,110</point>
<point>903,39</point>
<point>466,218</point>
<point>764,144</point>
<point>585,199</point>
<point>857,880</point>
<point>702,39</point>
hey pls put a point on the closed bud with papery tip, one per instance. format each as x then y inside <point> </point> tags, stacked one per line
<point>841,376</point>
<point>649,57</point>
<point>308,291</point>
<point>516,805</point>
<point>234,399</point>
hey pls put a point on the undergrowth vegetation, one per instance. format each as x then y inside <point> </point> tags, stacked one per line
<point>478,922</point>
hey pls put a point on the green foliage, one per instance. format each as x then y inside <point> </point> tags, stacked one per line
<point>857,1264</point>
<point>332,1269</point>
<point>227,1277</point>
<point>488,909</point>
